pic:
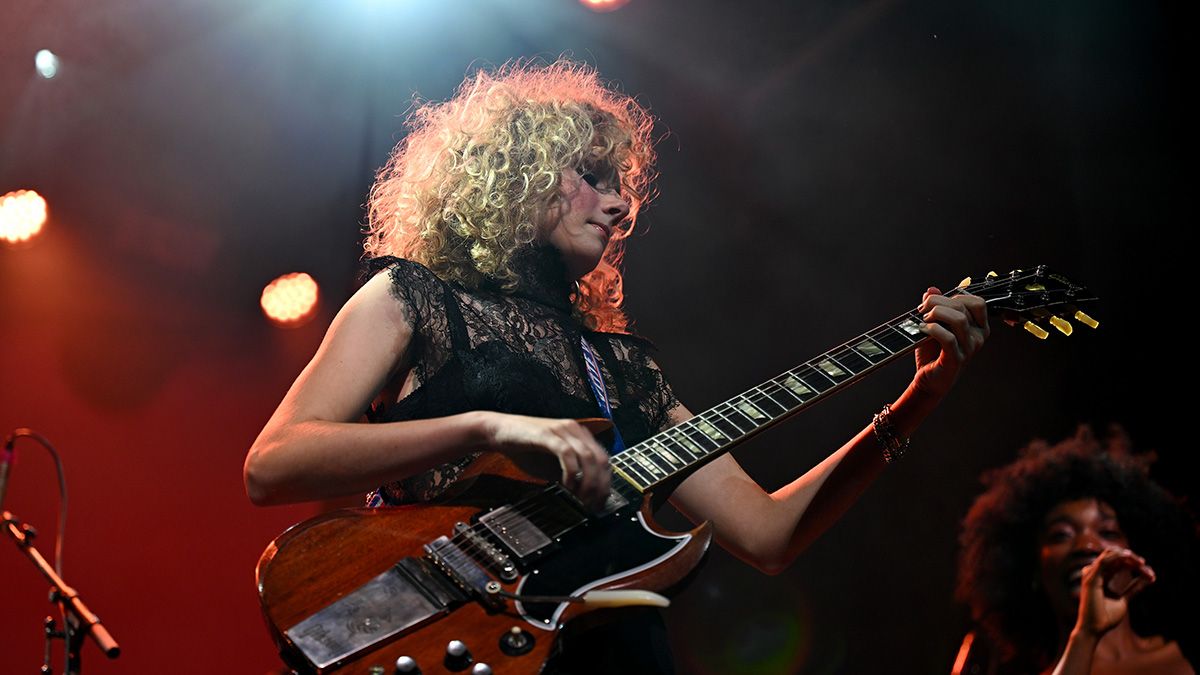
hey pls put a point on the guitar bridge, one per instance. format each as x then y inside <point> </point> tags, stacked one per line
<point>459,566</point>
<point>497,559</point>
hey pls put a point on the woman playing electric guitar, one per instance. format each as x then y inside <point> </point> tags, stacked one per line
<point>496,231</point>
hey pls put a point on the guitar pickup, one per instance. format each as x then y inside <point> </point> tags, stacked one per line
<point>515,531</point>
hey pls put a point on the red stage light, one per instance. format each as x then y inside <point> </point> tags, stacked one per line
<point>22,214</point>
<point>289,300</point>
<point>604,5</point>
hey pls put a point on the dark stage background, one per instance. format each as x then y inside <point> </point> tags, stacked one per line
<point>822,163</point>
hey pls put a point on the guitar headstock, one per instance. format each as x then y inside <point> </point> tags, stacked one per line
<point>1034,299</point>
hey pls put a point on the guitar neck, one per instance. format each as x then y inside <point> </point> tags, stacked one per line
<point>1020,298</point>
<point>715,431</point>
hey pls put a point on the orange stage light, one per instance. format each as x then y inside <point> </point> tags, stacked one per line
<point>604,5</point>
<point>289,300</point>
<point>22,214</point>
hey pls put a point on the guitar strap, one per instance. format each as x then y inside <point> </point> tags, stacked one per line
<point>597,381</point>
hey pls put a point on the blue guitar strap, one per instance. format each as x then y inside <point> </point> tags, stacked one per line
<point>597,381</point>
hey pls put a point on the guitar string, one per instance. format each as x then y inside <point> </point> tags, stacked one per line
<point>771,391</point>
<point>522,510</point>
<point>768,392</point>
<point>756,395</point>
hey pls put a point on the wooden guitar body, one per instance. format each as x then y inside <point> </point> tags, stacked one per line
<point>314,564</point>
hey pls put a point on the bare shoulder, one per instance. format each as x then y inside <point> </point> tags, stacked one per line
<point>367,343</point>
<point>1155,656</point>
<point>380,300</point>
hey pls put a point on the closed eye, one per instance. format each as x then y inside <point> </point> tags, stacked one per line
<point>1058,536</point>
<point>599,182</point>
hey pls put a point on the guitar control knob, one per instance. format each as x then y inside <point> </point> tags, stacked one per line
<point>516,642</point>
<point>481,669</point>
<point>458,657</point>
<point>407,665</point>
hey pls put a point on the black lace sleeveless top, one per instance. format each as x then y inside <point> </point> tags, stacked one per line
<point>514,352</point>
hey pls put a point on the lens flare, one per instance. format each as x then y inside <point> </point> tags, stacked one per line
<point>289,300</point>
<point>22,214</point>
<point>46,63</point>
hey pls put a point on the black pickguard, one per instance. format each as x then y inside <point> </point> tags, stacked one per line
<point>606,547</point>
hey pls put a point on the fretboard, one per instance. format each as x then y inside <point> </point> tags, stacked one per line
<point>689,444</point>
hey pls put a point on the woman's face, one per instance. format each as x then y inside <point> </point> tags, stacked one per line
<point>1073,534</point>
<point>580,224</point>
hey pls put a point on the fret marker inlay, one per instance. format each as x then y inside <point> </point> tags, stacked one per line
<point>709,430</point>
<point>796,386</point>
<point>680,438</point>
<point>670,456</point>
<point>869,349</point>
<point>831,369</point>
<point>750,411</point>
<point>648,465</point>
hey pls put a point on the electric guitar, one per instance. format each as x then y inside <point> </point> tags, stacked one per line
<point>483,579</point>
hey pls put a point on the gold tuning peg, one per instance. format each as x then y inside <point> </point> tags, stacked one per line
<point>964,283</point>
<point>1086,320</point>
<point>1037,331</point>
<point>992,275</point>
<point>1062,325</point>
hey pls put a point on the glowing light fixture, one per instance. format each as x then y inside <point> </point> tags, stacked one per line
<point>46,63</point>
<point>604,5</point>
<point>22,214</point>
<point>289,300</point>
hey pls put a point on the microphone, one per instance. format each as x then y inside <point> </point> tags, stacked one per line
<point>6,456</point>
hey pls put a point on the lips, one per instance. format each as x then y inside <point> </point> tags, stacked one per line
<point>1074,574</point>
<point>604,229</point>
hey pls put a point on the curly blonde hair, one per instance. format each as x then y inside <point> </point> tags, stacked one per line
<point>467,188</point>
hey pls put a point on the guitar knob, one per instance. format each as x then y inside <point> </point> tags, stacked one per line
<point>407,665</point>
<point>481,669</point>
<point>516,642</point>
<point>458,657</point>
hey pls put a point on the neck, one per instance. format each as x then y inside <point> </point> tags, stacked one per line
<point>542,277</point>
<point>1118,643</point>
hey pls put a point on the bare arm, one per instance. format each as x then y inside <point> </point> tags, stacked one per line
<point>768,530</point>
<point>314,445</point>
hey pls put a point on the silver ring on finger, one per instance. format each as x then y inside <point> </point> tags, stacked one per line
<point>578,476</point>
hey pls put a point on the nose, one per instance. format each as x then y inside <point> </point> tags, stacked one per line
<point>615,207</point>
<point>1088,542</point>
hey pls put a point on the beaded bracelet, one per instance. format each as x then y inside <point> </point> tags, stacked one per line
<point>894,445</point>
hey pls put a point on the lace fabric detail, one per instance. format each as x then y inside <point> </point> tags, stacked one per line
<point>515,352</point>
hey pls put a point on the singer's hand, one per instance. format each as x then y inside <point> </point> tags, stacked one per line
<point>1116,575</point>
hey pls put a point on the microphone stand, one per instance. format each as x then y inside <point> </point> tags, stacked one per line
<point>78,620</point>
